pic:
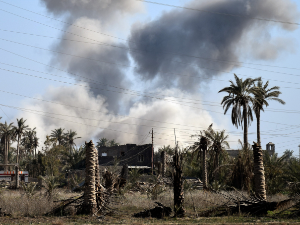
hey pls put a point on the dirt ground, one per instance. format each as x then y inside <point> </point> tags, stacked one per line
<point>25,210</point>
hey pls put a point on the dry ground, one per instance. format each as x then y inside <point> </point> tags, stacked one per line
<point>31,210</point>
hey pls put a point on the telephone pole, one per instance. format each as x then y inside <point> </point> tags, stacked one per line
<point>152,153</point>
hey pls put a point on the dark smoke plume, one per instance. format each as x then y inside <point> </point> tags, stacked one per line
<point>103,16</point>
<point>180,33</point>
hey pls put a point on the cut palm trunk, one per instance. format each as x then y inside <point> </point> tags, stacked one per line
<point>259,174</point>
<point>178,187</point>
<point>203,147</point>
<point>90,203</point>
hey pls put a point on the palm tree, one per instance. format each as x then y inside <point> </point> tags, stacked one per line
<point>262,99</point>
<point>70,137</point>
<point>218,144</point>
<point>47,143</point>
<point>239,96</point>
<point>7,133</point>
<point>112,143</point>
<point>74,156</point>
<point>57,135</point>
<point>103,142</point>
<point>19,131</point>
<point>28,140</point>
<point>201,146</point>
<point>274,172</point>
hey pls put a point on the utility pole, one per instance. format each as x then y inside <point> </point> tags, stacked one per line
<point>176,143</point>
<point>152,152</point>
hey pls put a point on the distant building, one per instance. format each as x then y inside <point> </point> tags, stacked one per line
<point>10,176</point>
<point>270,148</point>
<point>131,154</point>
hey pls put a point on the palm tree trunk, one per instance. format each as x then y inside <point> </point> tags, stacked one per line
<point>18,149</point>
<point>90,181</point>
<point>259,174</point>
<point>5,153</point>
<point>245,125</point>
<point>258,127</point>
<point>204,171</point>
<point>217,165</point>
<point>178,187</point>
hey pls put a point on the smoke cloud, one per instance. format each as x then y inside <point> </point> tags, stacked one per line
<point>178,34</point>
<point>161,50</point>
<point>91,119</point>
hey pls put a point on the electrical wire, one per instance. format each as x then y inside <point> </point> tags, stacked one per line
<point>219,13</point>
<point>224,71</point>
<point>210,59</point>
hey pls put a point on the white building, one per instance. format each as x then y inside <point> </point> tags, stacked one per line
<point>10,176</point>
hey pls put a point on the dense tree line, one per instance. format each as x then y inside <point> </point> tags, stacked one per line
<point>207,158</point>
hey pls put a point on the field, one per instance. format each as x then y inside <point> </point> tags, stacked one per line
<point>31,209</point>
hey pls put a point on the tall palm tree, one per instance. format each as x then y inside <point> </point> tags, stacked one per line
<point>201,147</point>
<point>240,96</point>
<point>218,144</point>
<point>57,136</point>
<point>262,99</point>
<point>19,131</point>
<point>7,133</point>
<point>70,137</point>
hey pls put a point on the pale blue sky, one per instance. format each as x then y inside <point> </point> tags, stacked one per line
<point>284,136</point>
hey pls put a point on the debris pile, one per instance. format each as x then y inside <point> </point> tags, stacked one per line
<point>251,205</point>
<point>3,213</point>
<point>160,211</point>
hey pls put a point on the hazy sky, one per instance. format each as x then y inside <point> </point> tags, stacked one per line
<point>117,68</point>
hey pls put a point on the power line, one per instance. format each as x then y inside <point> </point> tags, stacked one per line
<point>4,113</point>
<point>291,111</point>
<point>99,88</point>
<point>37,112</point>
<point>57,114</point>
<point>56,20</point>
<point>136,134</point>
<point>224,71</point>
<point>81,76</point>
<point>133,91</point>
<point>51,102</point>
<point>103,89</point>
<point>210,59</point>
<point>221,14</point>
<point>159,98</point>
<point>85,58</point>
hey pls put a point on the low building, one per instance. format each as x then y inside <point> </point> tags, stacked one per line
<point>270,148</point>
<point>131,154</point>
<point>10,176</point>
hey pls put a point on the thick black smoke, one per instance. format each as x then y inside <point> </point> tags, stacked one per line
<point>178,34</point>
